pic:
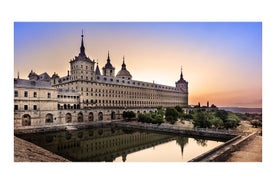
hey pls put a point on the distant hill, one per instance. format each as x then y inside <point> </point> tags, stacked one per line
<point>242,109</point>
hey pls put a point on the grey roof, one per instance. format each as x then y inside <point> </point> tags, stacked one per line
<point>134,83</point>
<point>32,83</point>
<point>124,73</point>
<point>98,72</point>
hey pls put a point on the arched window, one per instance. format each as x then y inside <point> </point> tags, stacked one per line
<point>26,120</point>
<point>90,116</point>
<point>113,115</point>
<point>100,116</point>
<point>68,118</point>
<point>80,117</point>
<point>49,118</point>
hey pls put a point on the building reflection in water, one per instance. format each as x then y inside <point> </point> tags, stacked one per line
<point>101,144</point>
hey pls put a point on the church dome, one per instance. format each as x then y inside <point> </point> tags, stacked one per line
<point>124,73</point>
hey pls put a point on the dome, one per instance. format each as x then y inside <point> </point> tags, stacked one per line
<point>124,74</point>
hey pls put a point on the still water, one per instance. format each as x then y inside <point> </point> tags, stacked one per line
<point>112,144</point>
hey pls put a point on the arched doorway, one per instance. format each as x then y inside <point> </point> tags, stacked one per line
<point>100,116</point>
<point>113,115</point>
<point>68,118</point>
<point>26,120</point>
<point>49,118</point>
<point>90,117</point>
<point>80,117</point>
<point>138,112</point>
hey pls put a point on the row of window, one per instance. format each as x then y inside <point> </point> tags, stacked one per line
<point>68,106</point>
<point>26,107</point>
<point>143,96</point>
<point>26,94</point>
<point>81,77</point>
<point>125,102</point>
<point>65,96</point>
<point>86,67</point>
<point>144,92</point>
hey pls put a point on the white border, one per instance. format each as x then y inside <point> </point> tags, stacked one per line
<point>142,10</point>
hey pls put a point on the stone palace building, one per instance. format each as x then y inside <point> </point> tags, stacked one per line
<point>86,94</point>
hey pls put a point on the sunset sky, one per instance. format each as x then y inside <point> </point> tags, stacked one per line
<point>222,61</point>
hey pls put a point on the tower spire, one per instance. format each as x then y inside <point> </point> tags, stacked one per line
<point>82,48</point>
<point>108,58</point>
<point>124,65</point>
<point>181,75</point>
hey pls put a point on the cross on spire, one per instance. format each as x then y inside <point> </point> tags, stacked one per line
<point>82,48</point>
<point>181,75</point>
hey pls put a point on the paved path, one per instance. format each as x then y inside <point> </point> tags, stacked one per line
<point>27,152</point>
<point>251,152</point>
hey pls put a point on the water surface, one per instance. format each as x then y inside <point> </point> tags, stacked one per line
<point>112,144</point>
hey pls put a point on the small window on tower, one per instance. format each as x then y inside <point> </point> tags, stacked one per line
<point>15,93</point>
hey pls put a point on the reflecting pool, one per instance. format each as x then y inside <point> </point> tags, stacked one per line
<point>112,144</point>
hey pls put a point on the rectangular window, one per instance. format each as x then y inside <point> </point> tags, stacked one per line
<point>15,93</point>
<point>25,93</point>
<point>25,107</point>
<point>49,95</point>
<point>35,94</point>
<point>35,107</point>
<point>15,107</point>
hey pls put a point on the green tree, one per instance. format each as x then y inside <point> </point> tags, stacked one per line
<point>256,123</point>
<point>222,114</point>
<point>232,120</point>
<point>161,111</point>
<point>202,119</point>
<point>171,115</point>
<point>216,122</point>
<point>179,109</point>
<point>128,115</point>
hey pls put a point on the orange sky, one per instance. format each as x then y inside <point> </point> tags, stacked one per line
<point>221,61</point>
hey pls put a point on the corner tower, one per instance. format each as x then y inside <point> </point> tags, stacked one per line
<point>182,85</point>
<point>82,67</point>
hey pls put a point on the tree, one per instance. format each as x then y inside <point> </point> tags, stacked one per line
<point>232,120</point>
<point>216,122</point>
<point>202,119</point>
<point>256,123</point>
<point>179,109</point>
<point>222,114</point>
<point>171,115</point>
<point>128,115</point>
<point>160,111</point>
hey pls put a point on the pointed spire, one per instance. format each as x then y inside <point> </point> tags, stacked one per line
<point>108,58</point>
<point>98,72</point>
<point>124,65</point>
<point>181,75</point>
<point>17,75</point>
<point>82,48</point>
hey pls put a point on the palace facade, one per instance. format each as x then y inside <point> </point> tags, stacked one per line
<point>86,95</point>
